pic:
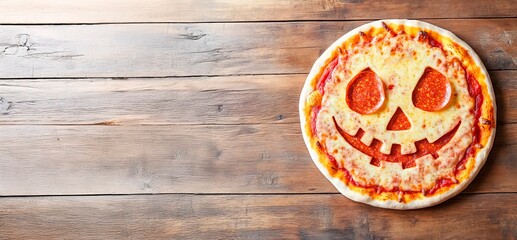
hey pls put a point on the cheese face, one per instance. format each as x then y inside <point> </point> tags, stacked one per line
<point>398,114</point>
<point>399,62</point>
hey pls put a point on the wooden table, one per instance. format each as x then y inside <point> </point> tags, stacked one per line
<point>178,119</point>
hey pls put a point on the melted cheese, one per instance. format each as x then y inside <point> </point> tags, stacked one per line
<point>399,61</point>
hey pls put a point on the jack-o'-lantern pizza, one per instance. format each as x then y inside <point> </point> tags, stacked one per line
<point>398,114</point>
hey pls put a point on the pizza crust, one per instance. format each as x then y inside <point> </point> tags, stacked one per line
<point>480,157</point>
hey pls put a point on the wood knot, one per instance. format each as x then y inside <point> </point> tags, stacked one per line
<point>5,106</point>
<point>268,178</point>
<point>108,123</point>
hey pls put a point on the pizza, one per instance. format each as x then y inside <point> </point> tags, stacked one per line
<point>398,114</point>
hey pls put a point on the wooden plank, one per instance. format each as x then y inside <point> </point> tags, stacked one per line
<point>267,158</point>
<point>156,50</point>
<point>193,100</point>
<point>505,88</point>
<point>200,100</point>
<point>97,11</point>
<point>253,217</point>
<point>157,159</point>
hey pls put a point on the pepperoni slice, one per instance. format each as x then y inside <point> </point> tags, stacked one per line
<point>399,121</point>
<point>365,93</point>
<point>432,92</point>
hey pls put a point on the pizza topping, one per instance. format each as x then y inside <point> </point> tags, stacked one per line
<point>391,137</point>
<point>314,98</point>
<point>314,114</point>
<point>423,147</point>
<point>327,75</point>
<point>364,37</point>
<point>399,121</point>
<point>432,92</point>
<point>424,36</point>
<point>365,94</point>
<point>440,183</point>
<point>433,42</point>
<point>475,92</point>
<point>388,29</point>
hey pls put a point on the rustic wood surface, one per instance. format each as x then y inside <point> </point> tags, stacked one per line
<point>305,216</point>
<point>123,11</point>
<point>194,49</point>
<point>178,119</point>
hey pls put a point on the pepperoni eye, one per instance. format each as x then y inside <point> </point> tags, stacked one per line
<point>365,93</point>
<point>432,92</point>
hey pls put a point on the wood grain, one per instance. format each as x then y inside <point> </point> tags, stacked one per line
<point>253,217</point>
<point>193,100</point>
<point>267,158</point>
<point>505,88</point>
<point>97,11</point>
<point>157,50</point>
<point>181,115</point>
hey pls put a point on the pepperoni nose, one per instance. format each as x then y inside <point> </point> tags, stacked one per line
<point>399,121</point>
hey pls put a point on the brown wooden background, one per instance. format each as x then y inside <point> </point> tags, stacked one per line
<point>166,119</point>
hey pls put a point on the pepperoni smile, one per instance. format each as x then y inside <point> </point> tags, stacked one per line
<point>423,147</point>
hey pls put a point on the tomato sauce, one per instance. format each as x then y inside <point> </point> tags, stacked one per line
<point>326,76</point>
<point>440,183</point>
<point>433,42</point>
<point>314,117</point>
<point>475,92</point>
